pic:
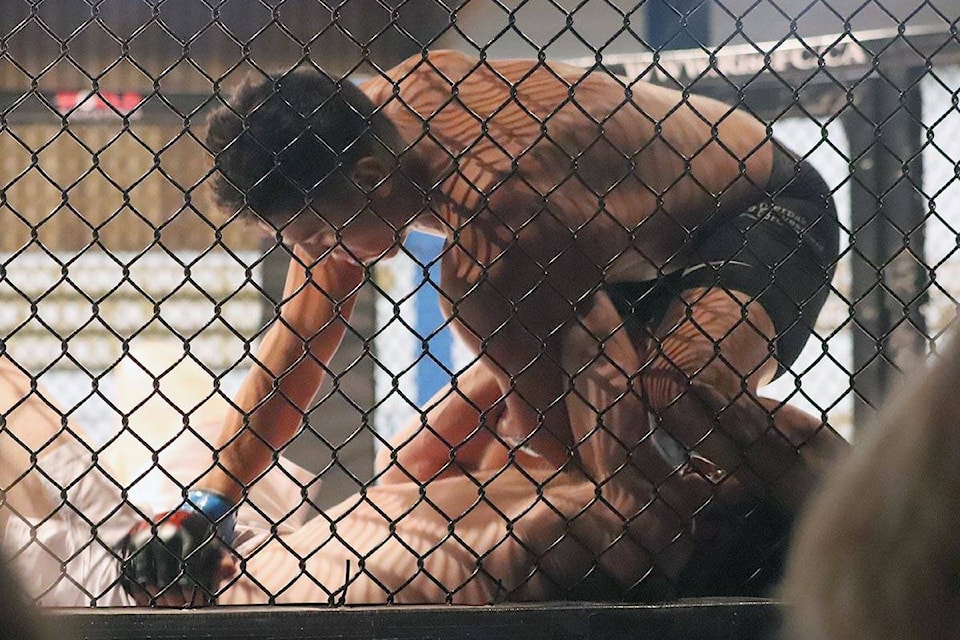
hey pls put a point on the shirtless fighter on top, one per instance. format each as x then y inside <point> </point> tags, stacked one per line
<point>563,194</point>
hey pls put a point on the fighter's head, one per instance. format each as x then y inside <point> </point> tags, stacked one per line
<point>302,152</point>
<point>283,140</point>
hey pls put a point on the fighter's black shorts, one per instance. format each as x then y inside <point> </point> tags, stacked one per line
<point>782,251</point>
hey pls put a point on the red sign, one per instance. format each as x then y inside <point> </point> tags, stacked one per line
<point>100,105</point>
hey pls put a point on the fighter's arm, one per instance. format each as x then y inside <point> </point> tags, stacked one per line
<point>516,310</point>
<point>183,562</point>
<point>454,433</point>
<point>290,365</point>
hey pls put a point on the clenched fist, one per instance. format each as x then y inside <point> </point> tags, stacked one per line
<point>180,559</point>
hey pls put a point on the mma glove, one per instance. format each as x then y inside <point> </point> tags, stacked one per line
<point>179,556</point>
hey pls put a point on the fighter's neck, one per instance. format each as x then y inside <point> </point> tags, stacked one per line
<point>421,188</point>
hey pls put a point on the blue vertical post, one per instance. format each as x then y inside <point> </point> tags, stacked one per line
<point>677,24</point>
<point>433,369</point>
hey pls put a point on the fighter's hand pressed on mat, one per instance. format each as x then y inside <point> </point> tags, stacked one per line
<point>181,558</point>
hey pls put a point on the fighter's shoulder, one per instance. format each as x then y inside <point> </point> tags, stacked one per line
<point>443,64</point>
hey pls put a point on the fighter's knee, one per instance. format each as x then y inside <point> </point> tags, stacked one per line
<point>579,341</point>
<point>664,383</point>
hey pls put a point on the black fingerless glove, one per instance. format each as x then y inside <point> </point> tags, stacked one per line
<point>181,551</point>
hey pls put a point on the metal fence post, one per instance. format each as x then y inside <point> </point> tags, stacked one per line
<point>889,277</point>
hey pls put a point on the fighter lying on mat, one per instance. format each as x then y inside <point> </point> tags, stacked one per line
<point>480,531</point>
<point>550,183</point>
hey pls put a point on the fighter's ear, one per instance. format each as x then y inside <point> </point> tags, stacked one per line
<point>371,173</point>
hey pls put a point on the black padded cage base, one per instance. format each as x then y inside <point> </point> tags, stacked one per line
<point>686,620</point>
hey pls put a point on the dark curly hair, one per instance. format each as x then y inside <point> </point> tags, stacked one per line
<point>279,139</point>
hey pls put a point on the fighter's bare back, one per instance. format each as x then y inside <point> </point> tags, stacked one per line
<point>550,181</point>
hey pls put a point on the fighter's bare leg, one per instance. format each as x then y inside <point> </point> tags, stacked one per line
<point>30,426</point>
<point>32,423</point>
<point>712,353</point>
<point>607,415</point>
<point>611,431</point>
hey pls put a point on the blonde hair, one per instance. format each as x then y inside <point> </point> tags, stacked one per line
<point>877,553</point>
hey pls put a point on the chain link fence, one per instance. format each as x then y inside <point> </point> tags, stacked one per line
<point>131,311</point>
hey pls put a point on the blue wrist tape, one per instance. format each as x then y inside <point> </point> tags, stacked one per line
<point>221,511</point>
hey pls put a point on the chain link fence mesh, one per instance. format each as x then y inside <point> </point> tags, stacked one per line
<point>130,312</point>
